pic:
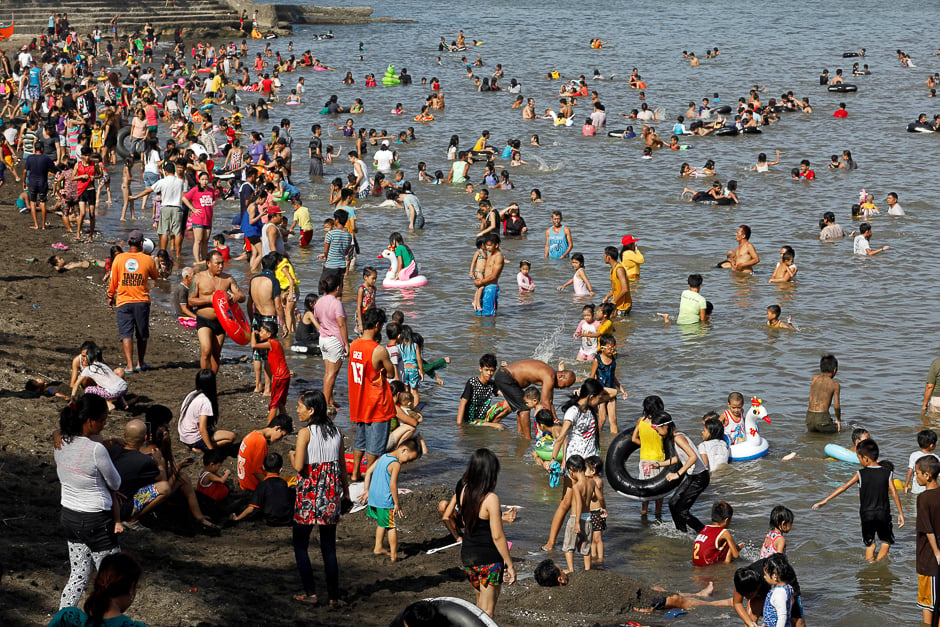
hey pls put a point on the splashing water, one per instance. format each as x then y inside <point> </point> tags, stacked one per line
<point>546,347</point>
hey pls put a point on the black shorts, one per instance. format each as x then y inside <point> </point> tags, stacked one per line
<point>37,194</point>
<point>88,196</point>
<point>134,319</point>
<point>254,239</point>
<point>207,323</point>
<point>93,529</point>
<point>880,526</point>
<point>510,389</point>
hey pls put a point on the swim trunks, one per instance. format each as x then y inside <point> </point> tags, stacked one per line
<point>484,575</point>
<point>579,541</point>
<point>489,301</point>
<point>383,517</point>
<point>598,522</point>
<point>820,422</point>
<point>214,325</point>
<point>510,389</point>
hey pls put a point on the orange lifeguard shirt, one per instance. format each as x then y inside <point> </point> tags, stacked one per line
<point>370,395</point>
<point>129,274</point>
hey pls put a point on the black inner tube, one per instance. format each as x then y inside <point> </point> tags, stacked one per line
<point>621,480</point>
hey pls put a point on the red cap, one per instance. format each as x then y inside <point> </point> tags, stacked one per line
<point>628,239</point>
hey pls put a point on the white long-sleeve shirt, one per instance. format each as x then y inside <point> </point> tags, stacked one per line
<point>87,475</point>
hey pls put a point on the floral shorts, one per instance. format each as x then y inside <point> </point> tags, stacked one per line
<point>484,575</point>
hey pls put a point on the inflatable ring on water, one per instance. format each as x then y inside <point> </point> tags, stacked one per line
<point>848,55</point>
<point>545,453</point>
<point>843,88</point>
<point>727,131</point>
<point>232,318</point>
<point>751,130</point>
<point>723,110</point>
<point>621,480</point>
<point>842,454</point>
<point>454,612</point>
<point>919,127</point>
<point>121,147</point>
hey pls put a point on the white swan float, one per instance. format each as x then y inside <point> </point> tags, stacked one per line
<point>748,443</point>
<point>391,280</point>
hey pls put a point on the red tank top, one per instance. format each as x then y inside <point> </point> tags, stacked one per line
<point>370,396</point>
<point>215,491</point>
<point>705,551</point>
<point>84,170</point>
<point>279,369</point>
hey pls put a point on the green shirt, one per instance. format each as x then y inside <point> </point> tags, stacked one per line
<point>406,257</point>
<point>690,305</point>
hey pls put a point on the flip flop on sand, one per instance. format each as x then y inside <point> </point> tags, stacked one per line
<point>310,599</point>
<point>338,603</point>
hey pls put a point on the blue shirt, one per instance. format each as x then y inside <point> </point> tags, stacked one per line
<point>380,486</point>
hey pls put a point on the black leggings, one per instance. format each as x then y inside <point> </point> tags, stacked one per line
<point>301,542</point>
<point>684,498</point>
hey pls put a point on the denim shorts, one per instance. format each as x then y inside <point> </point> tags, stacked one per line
<point>371,437</point>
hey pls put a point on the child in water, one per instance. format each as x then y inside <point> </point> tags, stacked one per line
<point>523,280</point>
<point>477,267</point>
<point>588,343</point>
<point>781,521</point>
<point>593,467</point>
<point>580,282</point>
<point>774,321</point>
<point>604,369</point>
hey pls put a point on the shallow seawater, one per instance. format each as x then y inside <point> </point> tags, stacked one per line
<point>875,314</point>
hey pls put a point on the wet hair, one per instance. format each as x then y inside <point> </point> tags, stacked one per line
<point>579,258</point>
<point>544,418</point>
<point>722,510</point>
<point>612,252</point>
<point>652,405</point>
<point>547,574</point>
<point>575,463</point>
<point>926,438</point>
<point>595,463</point>
<point>488,361</point>
<point>74,415</point>
<point>928,464</point>
<point>607,339</point>
<point>828,363</point>
<point>695,280</point>
<point>117,576</point>
<point>780,516</point>
<point>778,566</point>
<point>775,310</point>
<point>531,393</point>
<point>747,231</point>
<point>857,434</point>
<point>714,428</point>
<point>747,582</point>
<point>867,448</point>
<point>479,479</point>
<point>316,403</point>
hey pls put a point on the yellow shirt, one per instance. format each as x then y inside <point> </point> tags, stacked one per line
<point>631,260</point>
<point>607,326</point>
<point>651,443</point>
<point>480,145</point>
<point>626,301</point>
<point>285,269</point>
<point>302,218</point>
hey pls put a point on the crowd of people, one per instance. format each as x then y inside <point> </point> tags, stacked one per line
<point>78,108</point>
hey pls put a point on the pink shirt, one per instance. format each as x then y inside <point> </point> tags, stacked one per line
<point>328,311</point>
<point>203,204</point>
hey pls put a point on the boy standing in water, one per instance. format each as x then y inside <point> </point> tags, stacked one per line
<point>874,485</point>
<point>823,391</point>
<point>928,522</point>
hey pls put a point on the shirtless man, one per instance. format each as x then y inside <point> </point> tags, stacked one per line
<point>745,256</point>
<point>512,380</point>
<point>210,332</point>
<point>528,112</point>
<point>490,279</point>
<point>264,305</point>
<point>823,391</point>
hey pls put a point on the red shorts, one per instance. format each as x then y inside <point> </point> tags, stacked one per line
<point>279,389</point>
<point>306,237</point>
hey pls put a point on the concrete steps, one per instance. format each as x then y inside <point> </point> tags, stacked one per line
<point>32,17</point>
